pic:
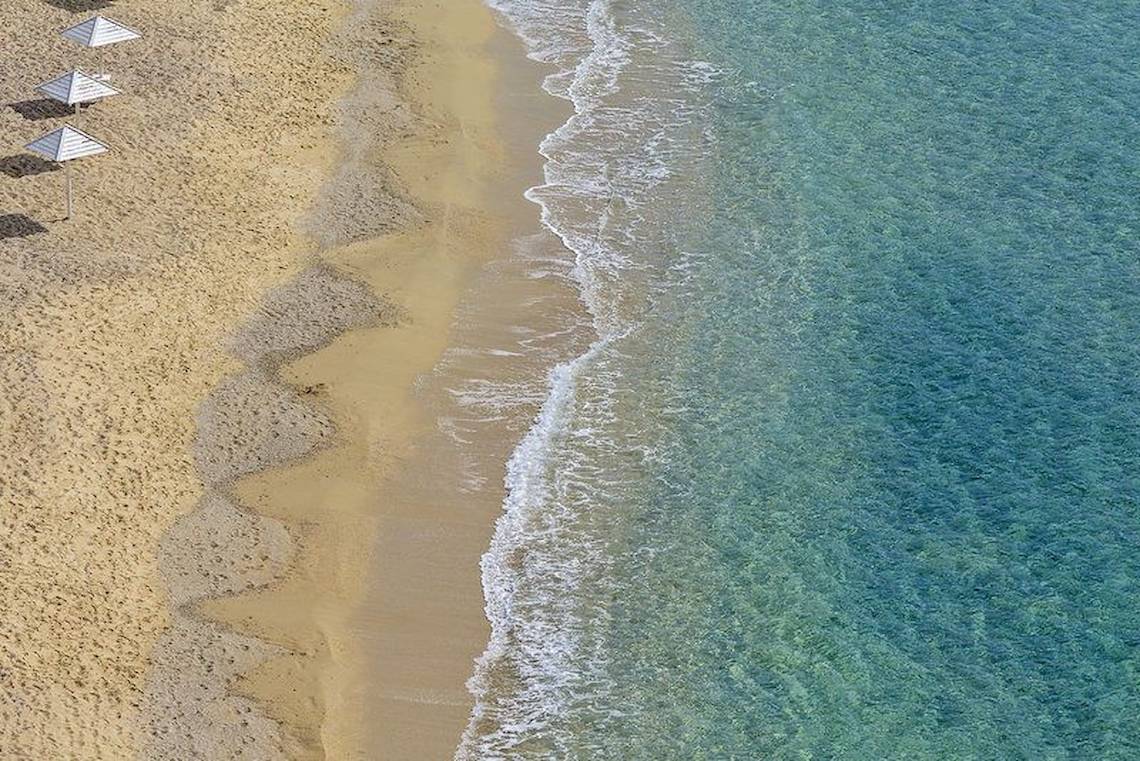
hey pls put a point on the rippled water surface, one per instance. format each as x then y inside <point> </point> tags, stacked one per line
<point>852,467</point>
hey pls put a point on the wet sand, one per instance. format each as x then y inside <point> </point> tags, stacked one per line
<point>412,640</point>
<point>209,374</point>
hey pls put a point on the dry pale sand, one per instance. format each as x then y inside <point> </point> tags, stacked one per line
<point>169,589</point>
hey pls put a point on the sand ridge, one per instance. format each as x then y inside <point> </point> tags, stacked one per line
<point>352,526</point>
<point>251,421</point>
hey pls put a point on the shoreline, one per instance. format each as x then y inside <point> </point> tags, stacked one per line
<point>423,614</point>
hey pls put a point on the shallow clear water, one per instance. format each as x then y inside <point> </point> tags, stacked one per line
<point>852,469</point>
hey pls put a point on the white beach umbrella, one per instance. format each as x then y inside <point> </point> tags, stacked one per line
<point>66,144</point>
<point>100,31</point>
<point>75,87</point>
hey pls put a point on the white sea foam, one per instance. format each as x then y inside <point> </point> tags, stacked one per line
<point>602,167</point>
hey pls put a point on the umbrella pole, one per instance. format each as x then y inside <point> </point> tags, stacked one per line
<point>70,203</point>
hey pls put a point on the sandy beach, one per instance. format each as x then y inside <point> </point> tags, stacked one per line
<point>209,375</point>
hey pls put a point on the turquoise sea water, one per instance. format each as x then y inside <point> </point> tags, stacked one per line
<point>852,469</point>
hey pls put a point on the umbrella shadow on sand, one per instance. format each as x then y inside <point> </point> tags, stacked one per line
<point>77,6</point>
<point>19,226</point>
<point>43,108</point>
<point>26,165</point>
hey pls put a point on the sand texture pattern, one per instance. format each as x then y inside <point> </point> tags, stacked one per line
<point>251,421</point>
<point>115,327</point>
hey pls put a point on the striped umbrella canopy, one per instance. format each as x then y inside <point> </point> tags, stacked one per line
<point>75,87</point>
<point>65,144</point>
<point>98,31</point>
